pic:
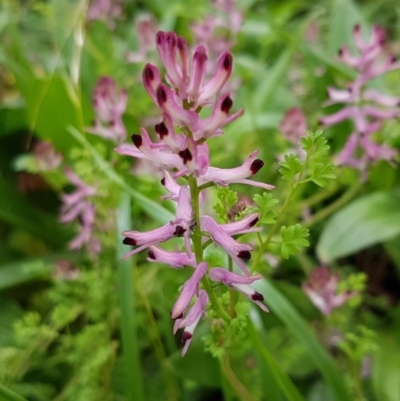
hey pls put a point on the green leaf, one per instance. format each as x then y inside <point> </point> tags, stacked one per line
<point>293,239</point>
<point>366,221</point>
<point>130,343</point>
<point>322,175</point>
<point>313,143</point>
<point>290,167</point>
<point>265,203</point>
<point>301,330</point>
<point>153,209</point>
<point>8,395</point>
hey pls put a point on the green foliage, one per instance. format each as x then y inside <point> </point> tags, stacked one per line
<point>293,238</point>
<point>227,199</point>
<point>322,174</point>
<point>290,167</point>
<point>314,143</point>
<point>357,283</point>
<point>265,203</point>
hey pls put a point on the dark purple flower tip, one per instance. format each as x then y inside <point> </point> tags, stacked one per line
<point>246,255</point>
<point>253,222</point>
<point>181,44</point>
<point>163,182</point>
<point>161,95</point>
<point>340,52</point>
<point>137,140</point>
<point>319,122</point>
<point>129,241</point>
<point>257,296</point>
<point>356,28</point>
<point>226,105</point>
<point>161,130</point>
<point>393,58</point>
<point>256,166</point>
<point>185,155</point>
<point>186,336</point>
<point>148,73</point>
<point>160,37</point>
<point>178,317</point>
<point>227,64</point>
<point>179,231</point>
<point>171,38</point>
<point>151,255</point>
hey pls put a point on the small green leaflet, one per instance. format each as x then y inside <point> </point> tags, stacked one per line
<point>265,203</point>
<point>321,174</point>
<point>313,143</point>
<point>293,239</point>
<point>290,167</point>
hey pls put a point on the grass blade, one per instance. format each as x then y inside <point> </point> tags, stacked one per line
<point>130,343</point>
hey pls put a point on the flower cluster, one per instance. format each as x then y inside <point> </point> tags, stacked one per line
<point>182,154</point>
<point>105,10</point>
<point>109,105</point>
<point>77,206</point>
<point>321,288</point>
<point>366,107</point>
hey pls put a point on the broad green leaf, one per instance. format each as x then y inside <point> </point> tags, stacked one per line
<point>393,249</point>
<point>153,209</point>
<point>370,220</point>
<point>344,15</point>
<point>7,395</point>
<point>301,329</point>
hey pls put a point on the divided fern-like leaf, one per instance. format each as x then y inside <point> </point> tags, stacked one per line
<point>293,238</point>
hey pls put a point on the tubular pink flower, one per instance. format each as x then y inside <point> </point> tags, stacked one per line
<point>167,47</point>
<point>220,116</point>
<point>148,150</point>
<point>243,226</point>
<point>170,184</point>
<point>321,288</point>
<point>384,100</point>
<point>237,175</point>
<point>189,289</point>
<point>236,250</point>
<point>165,130</point>
<point>240,283</point>
<point>151,80</point>
<point>181,117</point>
<point>198,72</point>
<point>195,158</point>
<point>216,83</point>
<point>190,321</point>
<point>340,96</point>
<point>184,58</point>
<point>380,114</point>
<point>341,115</point>
<point>176,260</point>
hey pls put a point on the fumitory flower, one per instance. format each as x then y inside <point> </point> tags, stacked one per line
<point>321,288</point>
<point>367,108</point>
<point>109,105</point>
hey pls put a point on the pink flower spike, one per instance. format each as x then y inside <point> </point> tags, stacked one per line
<point>151,79</point>
<point>216,83</point>
<point>199,65</point>
<point>190,321</point>
<point>176,260</point>
<point>236,250</point>
<point>189,289</point>
<point>243,226</point>
<point>240,283</point>
<point>237,175</point>
<point>181,117</point>
<point>211,126</point>
<point>321,287</point>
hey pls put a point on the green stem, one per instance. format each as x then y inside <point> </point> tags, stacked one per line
<point>239,388</point>
<point>231,292</point>
<point>325,212</point>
